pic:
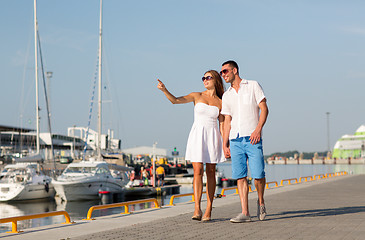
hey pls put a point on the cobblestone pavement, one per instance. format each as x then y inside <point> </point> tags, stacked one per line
<point>333,210</point>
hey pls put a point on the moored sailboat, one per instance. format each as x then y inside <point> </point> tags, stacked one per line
<point>25,180</point>
<point>84,180</point>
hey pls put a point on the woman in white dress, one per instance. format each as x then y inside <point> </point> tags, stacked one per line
<point>205,139</point>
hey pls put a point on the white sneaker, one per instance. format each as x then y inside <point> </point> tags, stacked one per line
<point>261,211</point>
<point>241,218</point>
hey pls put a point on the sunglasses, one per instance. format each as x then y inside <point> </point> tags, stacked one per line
<point>206,78</point>
<point>225,71</point>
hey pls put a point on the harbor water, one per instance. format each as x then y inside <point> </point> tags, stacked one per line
<point>78,210</point>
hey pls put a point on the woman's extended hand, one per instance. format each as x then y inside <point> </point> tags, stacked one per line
<point>160,85</point>
<point>174,100</point>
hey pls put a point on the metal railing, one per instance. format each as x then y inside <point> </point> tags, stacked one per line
<point>182,195</point>
<point>122,204</point>
<point>340,173</point>
<point>306,178</point>
<point>289,180</point>
<point>328,175</point>
<point>229,188</point>
<point>318,176</point>
<point>14,220</point>
<point>273,182</point>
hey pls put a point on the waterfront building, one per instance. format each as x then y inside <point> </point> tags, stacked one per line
<point>15,139</point>
<point>143,154</point>
<point>351,146</point>
<point>108,142</point>
<point>18,142</point>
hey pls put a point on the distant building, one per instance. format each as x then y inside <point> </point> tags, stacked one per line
<point>19,142</point>
<point>144,150</point>
<point>108,142</point>
<point>22,141</point>
<point>351,146</point>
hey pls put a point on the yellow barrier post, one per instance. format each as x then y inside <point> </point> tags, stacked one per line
<point>288,180</point>
<point>235,188</point>
<point>328,175</point>
<point>229,188</point>
<point>318,176</point>
<point>14,227</point>
<point>14,220</point>
<point>306,178</point>
<point>182,195</point>
<point>123,204</point>
<point>273,182</point>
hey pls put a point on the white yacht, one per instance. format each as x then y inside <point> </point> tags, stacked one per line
<point>24,181</point>
<point>84,180</point>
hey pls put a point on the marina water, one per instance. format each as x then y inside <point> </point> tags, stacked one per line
<point>78,210</point>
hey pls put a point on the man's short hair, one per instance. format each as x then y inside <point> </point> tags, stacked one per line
<point>232,64</point>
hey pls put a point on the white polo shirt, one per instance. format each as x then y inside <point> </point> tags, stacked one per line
<point>243,107</point>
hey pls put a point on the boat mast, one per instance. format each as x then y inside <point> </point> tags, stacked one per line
<point>36,72</point>
<point>100,85</point>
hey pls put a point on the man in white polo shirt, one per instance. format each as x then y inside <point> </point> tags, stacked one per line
<point>245,110</point>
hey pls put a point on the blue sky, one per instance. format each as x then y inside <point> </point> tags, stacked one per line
<point>308,55</point>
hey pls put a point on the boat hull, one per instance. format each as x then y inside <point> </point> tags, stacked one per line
<point>85,190</point>
<point>20,192</point>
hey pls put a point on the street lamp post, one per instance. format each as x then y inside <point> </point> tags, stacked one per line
<point>328,131</point>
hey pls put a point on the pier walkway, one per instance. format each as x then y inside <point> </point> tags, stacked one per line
<point>332,208</point>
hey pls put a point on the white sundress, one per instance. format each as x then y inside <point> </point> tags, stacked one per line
<point>205,141</point>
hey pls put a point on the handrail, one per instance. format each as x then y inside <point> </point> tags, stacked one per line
<point>14,220</point>
<point>182,195</point>
<point>273,182</point>
<point>328,175</point>
<point>288,180</point>
<point>306,178</point>
<point>229,188</point>
<point>122,204</point>
<point>318,176</point>
<point>233,188</point>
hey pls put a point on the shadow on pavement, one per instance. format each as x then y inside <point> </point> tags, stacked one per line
<point>317,212</point>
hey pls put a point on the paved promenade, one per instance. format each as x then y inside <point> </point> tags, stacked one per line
<point>332,208</point>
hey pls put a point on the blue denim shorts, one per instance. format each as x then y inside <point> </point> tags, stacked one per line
<point>243,152</point>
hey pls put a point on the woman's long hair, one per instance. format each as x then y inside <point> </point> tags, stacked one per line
<point>218,83</point>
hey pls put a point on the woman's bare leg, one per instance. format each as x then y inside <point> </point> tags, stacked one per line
<point>198,186</point>
<point>210,186</point>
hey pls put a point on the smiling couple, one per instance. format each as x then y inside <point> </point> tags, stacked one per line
<point>227,124</point>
